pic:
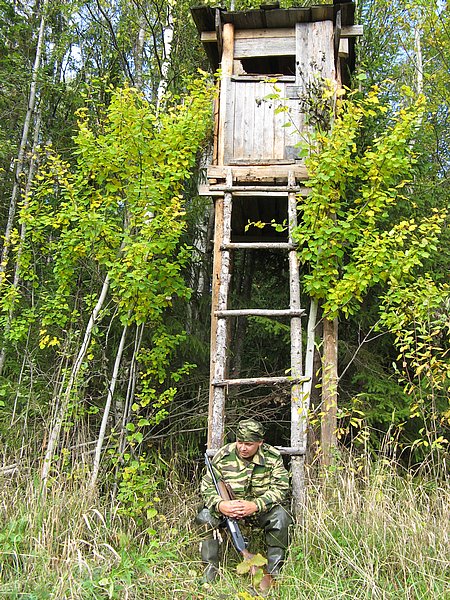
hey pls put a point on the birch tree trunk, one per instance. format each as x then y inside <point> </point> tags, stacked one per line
<point>31,172</point>
<point>111,389</point>
<point>139,54</point>
<point>23,144</point>
<point>130,389</point>
<point>167,43</point>
<point>64,402</point>
<point>309,356</point>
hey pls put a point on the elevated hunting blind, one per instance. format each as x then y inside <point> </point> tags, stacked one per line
<point>275,65</point>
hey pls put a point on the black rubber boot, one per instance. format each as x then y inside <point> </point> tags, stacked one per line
<point>275,560</point>
<point>209,550</point>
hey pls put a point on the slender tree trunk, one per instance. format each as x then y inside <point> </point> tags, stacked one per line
<point>139,54</point>
<point>111,389</point>
<point>128,403</point>
<point>64,402</point>
<point>309,355</point>
<point>23,144</point>
<point>130,389</point>
<point>31,172</point>
<point>165,65</point>
<point>418,61</point>
<point>329,390</point>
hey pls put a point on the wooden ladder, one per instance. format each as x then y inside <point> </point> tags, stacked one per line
<point>219,328</point>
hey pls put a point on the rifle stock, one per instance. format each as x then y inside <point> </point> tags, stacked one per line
<point>226,493</point>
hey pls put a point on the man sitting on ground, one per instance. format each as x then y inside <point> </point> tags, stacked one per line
<point>256,475</point>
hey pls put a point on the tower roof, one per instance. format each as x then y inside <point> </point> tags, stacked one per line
<point>208,19</point>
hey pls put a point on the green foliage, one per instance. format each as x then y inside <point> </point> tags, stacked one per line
<point>346,236</point>
<point>253,565</point>
<point>139,487</point>
<point>119,212</point>
<point>419,318</point>
<point>157,379</point>
<point>371,531</point>
<point>122,206</point>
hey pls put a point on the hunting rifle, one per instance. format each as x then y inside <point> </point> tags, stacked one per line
<point>226,493</point>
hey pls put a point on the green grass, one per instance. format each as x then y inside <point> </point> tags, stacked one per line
<point>373,536</point>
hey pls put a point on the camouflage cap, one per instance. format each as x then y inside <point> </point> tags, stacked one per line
<point>249,430</point>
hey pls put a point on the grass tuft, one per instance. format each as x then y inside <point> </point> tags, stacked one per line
<point>372,536</point>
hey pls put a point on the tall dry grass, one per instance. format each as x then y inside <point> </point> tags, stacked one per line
<point>377,535</point>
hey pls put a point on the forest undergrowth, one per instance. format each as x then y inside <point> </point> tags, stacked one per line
<point>365,533</point>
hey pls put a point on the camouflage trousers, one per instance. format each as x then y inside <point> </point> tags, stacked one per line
<point>274,522</point>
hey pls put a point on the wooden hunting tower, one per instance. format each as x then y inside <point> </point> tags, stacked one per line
<point>274,64</point>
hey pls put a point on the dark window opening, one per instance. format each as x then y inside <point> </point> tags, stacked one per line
<point>269,65</point>
<point>261,210</point>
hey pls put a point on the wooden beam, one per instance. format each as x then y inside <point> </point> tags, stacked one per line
<point>259,381</point>
<point>217,265</point>
<point>298,416</point>
<point>249,48</point>
<point>285,450</point>
<point>260,312</point>
<point>216,417</point>
<point>257,173</point>
<point>227,72</point>
<point>348,31</point>
<point>251,192</point>
<point>260,246</point>
<point>258,188</point>
<point>329,390</point>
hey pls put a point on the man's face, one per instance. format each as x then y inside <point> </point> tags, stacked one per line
<point>247,449</point>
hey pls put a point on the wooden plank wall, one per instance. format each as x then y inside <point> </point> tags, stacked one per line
<point>314,53</point>
<point>255,132</point>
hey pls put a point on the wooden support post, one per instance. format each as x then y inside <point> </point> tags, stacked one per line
<point>298,414</point>
<point>227,72</point>
<point>217,263</point>
<point>219,327</point>
<point>329,390</point>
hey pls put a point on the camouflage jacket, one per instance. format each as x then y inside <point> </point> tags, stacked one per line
<point>263,479</point>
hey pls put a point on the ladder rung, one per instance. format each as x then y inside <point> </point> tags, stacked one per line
<point>260,381</point>
<point>281,449</point>
<point>255,188</point>
<point>259,312</point>
<point>246,194</point>
<point>259,246</point>
<point>291,451</point>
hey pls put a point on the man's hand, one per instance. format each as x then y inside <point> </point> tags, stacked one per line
<point>237,509</point>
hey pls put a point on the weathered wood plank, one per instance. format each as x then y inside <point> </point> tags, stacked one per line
<point>279,78</point>
<point>213,417</point>
<point>216,416</point>
<point>258,381</point>
<point>259,246</point>
<point>259,312</point>
<point>264,46</point>
<point>258,132</point>
<point>315,52</point>
<point>205,190</point>
<point>343,48</point>
<point>258,189</point>
<point>265,33</point>
<point>348,31</point>
<point>267,134</point>
<point>285,450</point>
<point>259,173</point>
<point>227,72</point>
<point>211,36</point>
<point>298,416</point>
